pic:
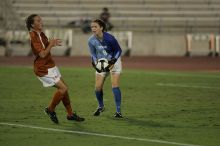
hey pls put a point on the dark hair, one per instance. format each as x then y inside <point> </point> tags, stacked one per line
<point>101,23</point>
<point>30,20</point>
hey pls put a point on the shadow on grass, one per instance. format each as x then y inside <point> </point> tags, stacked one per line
<point>144,122</point>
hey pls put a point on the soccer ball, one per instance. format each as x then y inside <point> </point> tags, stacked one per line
<point>102,64</point>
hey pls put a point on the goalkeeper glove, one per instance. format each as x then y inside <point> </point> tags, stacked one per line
<point>110,64</point>
<point>112,61</point>
<point>94,66</point>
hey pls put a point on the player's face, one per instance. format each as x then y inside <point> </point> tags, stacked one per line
<point>37,25</point>
<point>96,29</point>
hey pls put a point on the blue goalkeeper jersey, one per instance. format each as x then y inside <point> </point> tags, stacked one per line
<point>107,48</point>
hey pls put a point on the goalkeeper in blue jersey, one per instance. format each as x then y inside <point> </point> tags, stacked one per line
<point>104,45</point>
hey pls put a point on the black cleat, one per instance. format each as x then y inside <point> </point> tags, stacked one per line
<point>216,54</point>
<point>118,115</point>
<point>52,115</point>
<point>75,117</point>
<point>98,111</point>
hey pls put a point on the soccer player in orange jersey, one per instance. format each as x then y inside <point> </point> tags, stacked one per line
<point>46,70</point>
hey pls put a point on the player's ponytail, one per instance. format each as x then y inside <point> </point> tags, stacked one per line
<point>30,20</point>
<point>101,23</point>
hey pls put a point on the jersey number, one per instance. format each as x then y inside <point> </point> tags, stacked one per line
<point>105,53</point>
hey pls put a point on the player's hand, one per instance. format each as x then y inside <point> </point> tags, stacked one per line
<point>111,64</point>
<point>94,66</point>
<point>109,67</point>
<point>112,61</point>
<point>55,42</point>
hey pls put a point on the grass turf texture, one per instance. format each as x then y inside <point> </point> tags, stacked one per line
<point>178,114</point>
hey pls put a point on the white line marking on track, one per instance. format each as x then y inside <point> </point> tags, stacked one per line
<point>98,134</point>
<point>185,86</point>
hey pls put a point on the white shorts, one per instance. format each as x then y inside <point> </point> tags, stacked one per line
<point>116,69</point>
<point>51,78</point>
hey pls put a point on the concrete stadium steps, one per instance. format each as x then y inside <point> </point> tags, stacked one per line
<point>118,6</point>
<point>125,13</point>
<point>122,6</point>
<point>113,2</point>
<point>133,14</point>
<point>77,6</point>
<point>143,22</point>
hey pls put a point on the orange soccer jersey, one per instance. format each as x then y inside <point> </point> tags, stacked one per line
<point>39,42</point>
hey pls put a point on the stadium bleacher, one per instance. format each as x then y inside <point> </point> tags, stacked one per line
<point>172,16</point>
<point>167,20</point>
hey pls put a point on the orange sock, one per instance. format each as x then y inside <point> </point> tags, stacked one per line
<point>56,100</point>
<point>66,103</point>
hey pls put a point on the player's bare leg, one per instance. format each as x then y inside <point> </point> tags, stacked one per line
<point>115,77</point>
<point>61,94</point>
<point>99,82</point>
<point>58,96</point>
<point>62,89</point>
<point>66,102</point>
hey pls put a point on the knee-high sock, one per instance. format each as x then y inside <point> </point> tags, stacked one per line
<point>66,103</point>
<point>56,100</point>
<point>117,94</point>
<point>99,96</point>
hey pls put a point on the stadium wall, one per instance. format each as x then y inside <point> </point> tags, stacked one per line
<point>147,45</point>
<point>143,44</point>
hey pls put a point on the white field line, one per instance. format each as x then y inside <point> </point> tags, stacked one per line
<point>97,134</point>
<point>186,86</point>
<point>184,75</point>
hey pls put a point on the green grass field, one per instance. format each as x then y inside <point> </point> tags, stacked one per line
<point>181,107</point>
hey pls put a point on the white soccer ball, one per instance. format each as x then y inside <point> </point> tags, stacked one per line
<point>102,64</point>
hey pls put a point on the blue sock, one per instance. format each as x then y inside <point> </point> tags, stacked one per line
<point>99,96</point>
<point>117,94</point>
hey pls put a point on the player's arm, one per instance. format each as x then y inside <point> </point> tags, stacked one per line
<point>52,43</point>
<point>92,52</point>
<point>116,55</point>
<point>93,56</point>
<point>38,47</point>
<point>117,51</point>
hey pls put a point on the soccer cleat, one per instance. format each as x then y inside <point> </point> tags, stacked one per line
<point>118,115</point>
<point>52,115</point>
<point>98,111</point>
<point>216,54</point>
<point>75,117</point>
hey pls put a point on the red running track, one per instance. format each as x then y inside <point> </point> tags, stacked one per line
<point>143,63</point>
